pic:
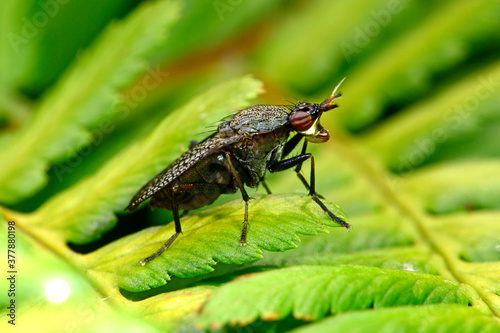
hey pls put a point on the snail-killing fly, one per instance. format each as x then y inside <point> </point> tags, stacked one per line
<point>255,140</point>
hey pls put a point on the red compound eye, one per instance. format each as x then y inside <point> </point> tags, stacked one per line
<point>301,121</point>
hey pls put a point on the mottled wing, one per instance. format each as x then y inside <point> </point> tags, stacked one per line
<point>179,166</point>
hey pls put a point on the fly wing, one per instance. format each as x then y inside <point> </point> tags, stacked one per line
<point>179,166</point>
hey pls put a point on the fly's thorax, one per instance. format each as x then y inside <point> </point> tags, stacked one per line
<point>255,152</point>
<point>255,119</point>
<point>262,131</point>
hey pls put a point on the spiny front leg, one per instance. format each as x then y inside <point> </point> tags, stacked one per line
<point>244,194</point>
<point>297,161</point>
<point>312,193</point>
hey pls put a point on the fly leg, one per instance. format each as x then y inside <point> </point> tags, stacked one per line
<point>299,167</point>
<point>297,162</point>
<point>265,186</point>
<point>232,169</point>
<point>289,146</point>
<point>178,229</point>
<point>179,188</point>
<point>299,174</point>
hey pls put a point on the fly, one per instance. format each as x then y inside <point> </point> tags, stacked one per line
<point>253,141</point>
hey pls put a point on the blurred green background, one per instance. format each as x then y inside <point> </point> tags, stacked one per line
<point>394,54</point>
<point>422,89</point>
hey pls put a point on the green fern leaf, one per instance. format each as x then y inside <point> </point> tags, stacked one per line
<point>60,125</point>
<point>210,237</point>
<point>312,292</point>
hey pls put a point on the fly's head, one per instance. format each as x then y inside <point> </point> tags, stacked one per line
<point>305,117</point>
